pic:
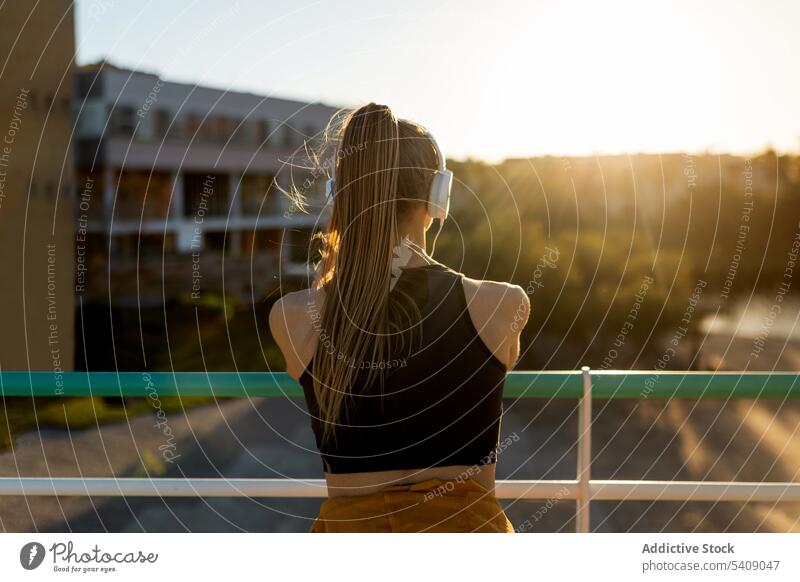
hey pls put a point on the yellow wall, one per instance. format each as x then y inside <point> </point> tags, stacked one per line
<point>36,230</point>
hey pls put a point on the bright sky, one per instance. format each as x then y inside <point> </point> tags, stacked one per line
<point>492,79</point>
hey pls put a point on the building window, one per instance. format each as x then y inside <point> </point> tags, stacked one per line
<point>303,247</point>
<point>144,246</point>
<point>258,195</point>
<point>288,136</point>
<point>143,194</point>
<point>217,241</point>
<point>154,245</point>
<point>257,242</point>
<point>233,130</point>
<point>218,129</point>
<point>161,121</point>
<point>246,132</point>
<point>96,248</point>
<point>123,246</point>
<point>124,121</point>
<point>310,184</point>
<point>89,85</point>
<point>205,195</point>
<point>192,123</point>
<point>179,130</point>
<point>262,135</point>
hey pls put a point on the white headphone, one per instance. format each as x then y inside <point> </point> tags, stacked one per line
<point>439,195</point>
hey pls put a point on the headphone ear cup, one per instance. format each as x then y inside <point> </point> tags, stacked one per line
<point>439,199</point>
<point>329,187</point>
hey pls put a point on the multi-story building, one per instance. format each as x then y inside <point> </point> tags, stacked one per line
<point>37,42</point>
<point>179,188</point>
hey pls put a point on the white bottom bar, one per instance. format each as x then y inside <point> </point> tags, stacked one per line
<point>693,491</point>
<point>356,557</point>
<point>315,488</point>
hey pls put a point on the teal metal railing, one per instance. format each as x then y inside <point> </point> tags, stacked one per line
<point>605,384</point>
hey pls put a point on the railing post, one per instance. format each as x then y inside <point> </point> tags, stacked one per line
<point>583,504</point>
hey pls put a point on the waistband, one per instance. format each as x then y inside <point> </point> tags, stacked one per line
<point>450,486</point>
<point>434,505</point>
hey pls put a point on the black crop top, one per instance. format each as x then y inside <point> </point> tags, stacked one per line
<point>440,406</point>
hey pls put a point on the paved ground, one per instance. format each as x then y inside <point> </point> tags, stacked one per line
<point>270,438</point>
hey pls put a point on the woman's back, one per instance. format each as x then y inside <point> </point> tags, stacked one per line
<point>440,403</point>
<point>494,312</point>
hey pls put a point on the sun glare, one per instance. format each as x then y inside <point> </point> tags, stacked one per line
<point>612,77</point>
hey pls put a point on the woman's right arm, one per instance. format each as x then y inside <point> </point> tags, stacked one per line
<point>499,312</point>
<point>290,325</point>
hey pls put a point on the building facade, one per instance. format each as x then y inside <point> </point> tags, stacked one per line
<point>36,181</point>
<point>179,189</point>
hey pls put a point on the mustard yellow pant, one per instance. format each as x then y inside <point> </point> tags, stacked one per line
<point>429,506</point>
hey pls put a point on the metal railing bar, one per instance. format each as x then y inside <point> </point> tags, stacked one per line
<point>161,487</point>
<point>203,487</point>
<point>619,490</point>
<point>583,515</point>
<point>600,490</point>
<point>569,384</point>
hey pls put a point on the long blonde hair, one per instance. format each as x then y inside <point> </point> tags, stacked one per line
<point>383,167</point>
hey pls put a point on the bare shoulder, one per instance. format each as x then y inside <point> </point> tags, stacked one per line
<point>294,303</point>
<point>499,312</point>
<point>501,300</point>
<point>291,324</point>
